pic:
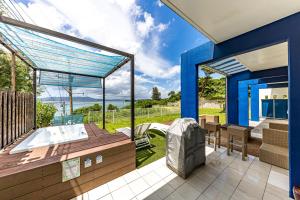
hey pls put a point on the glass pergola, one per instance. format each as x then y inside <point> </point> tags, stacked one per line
<point>64,60</point>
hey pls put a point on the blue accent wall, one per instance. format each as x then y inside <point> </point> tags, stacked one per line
<point>243,105</point>
<point>286,29</point>
<point>255,94</point>
<point>235,115</point>
<point>189,78</point>
<point>255,100</point>
<point>294,110</point>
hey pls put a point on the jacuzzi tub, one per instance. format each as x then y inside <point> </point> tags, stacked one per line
<point>50,136</point>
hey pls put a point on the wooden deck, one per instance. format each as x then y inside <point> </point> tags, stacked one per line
<point>38,174</point>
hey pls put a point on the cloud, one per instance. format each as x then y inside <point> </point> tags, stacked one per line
<point>159,3</point>
<point>144,27</point>
<point>120,24</point>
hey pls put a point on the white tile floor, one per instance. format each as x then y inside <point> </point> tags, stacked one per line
<point>223,177</point>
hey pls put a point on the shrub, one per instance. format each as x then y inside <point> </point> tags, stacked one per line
<point>87,109</point>
<point>45,113</point>
<point>112,107</point>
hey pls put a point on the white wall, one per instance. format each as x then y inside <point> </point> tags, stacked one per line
<point>270,92</point>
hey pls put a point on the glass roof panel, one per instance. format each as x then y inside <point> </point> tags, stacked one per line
<point>68,80</point>
<point>50,53</point>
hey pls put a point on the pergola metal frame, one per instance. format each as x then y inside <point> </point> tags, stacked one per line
<point>128,57</point>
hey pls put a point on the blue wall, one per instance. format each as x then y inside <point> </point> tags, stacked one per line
<point>241,117</point>
<point>255,100</point>
<point>255,96</point>
<point>294,110</point>
<point>243,101</point>
<point>286,29</point>
<point>189,78</point>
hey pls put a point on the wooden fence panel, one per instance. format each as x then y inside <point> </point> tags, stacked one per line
<point>16,116</point>
<point>5,119</point>
<point>1,125</point>
<point>9,133</point>
<point>13,116</point>
<point>20,114</point>
<point>23,112</point>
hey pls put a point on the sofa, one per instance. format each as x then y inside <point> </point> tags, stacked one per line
<point>274,148</point>
<point>279,126</point>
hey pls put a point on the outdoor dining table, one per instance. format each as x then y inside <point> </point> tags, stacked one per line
<point>237,136</point>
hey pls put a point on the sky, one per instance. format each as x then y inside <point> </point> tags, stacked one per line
<point>146,28</point>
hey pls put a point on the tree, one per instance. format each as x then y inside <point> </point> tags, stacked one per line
<point>207,72</point>
<point>45,113</point>
<point>156,95</point>
<point>172,93</point>
<point>23,78</point>
<point>214,88</point>
<point>173,96</point>
<point>112,107</point>
<point>85,110</point>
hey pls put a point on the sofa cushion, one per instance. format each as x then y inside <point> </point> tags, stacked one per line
<point>275,137</point>
<point>274,155</point>
<point>279,126</point>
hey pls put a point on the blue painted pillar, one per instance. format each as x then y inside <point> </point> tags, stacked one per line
<point>294,110</point>
<point>189,78</point>
<point>255,100</point>
<point>255,103</point>
<point>243,103</point>
<point>233,96</point>
<point>189,88</point>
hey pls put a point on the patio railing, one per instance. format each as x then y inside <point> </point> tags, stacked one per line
<point>115,116</point>
<point>16,116</point>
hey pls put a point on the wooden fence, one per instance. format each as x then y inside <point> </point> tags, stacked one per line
<point>16,116</point>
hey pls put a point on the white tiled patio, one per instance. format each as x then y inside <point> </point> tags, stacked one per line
<point>223,177</point>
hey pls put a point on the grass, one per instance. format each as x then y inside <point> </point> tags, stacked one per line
<point>214,111</point>
<point>111,127</point>
<point>158,149</point>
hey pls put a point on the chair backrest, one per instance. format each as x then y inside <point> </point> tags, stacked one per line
<point>141,130</point>
<point>279,126</point>
<point>275,137</point>
<point>208,118</point>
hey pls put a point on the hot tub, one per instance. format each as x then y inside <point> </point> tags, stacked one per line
<point>50,136</point>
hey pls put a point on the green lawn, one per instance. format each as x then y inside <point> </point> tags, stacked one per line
<point>157,151</point>
<point>153,153</point>
<point>214,111</point>
<point>111,127</point>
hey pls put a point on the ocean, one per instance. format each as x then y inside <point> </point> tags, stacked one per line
<point>80,104</point>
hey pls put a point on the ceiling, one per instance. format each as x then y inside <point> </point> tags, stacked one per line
<point>261,59</point>
<point>225,19</point>
<point>266,58</point>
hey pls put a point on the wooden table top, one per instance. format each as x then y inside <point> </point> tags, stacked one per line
<point>98,140</point>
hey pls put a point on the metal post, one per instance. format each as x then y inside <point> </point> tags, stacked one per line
<point>103,104</point>
<point>34,99</point>
<point>132,97</point>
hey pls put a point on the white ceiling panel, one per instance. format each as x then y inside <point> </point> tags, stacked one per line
<point>221,20</point>
<point>266,58</point>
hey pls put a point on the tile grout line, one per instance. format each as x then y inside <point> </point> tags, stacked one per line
<point>241,179</point>
<point>142,177</point>
<point>267,182</point>
<point>218,174</point>
<point>208,185</point>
